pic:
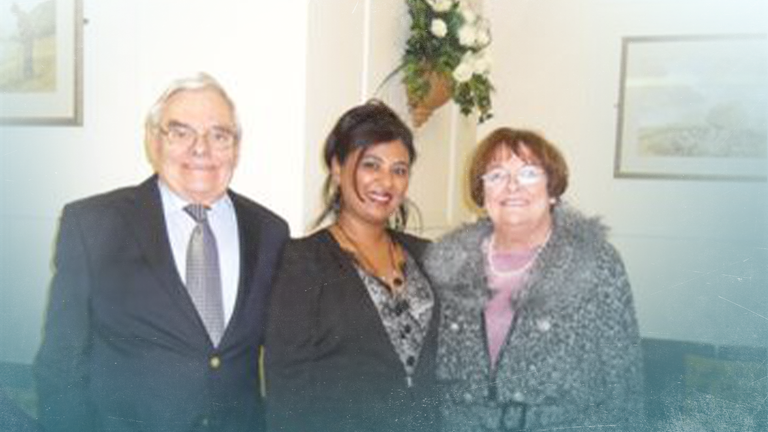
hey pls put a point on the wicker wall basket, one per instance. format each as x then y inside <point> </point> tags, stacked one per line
<point>439,93</point>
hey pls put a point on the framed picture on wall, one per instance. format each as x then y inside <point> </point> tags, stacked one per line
<point>41,62</point>
<point>693,107</point>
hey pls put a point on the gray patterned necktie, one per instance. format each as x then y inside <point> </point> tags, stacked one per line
<point>203,276</point>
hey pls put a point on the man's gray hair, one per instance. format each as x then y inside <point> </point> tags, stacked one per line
<point>199,81</point>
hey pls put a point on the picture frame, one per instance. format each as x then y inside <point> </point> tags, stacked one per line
<point>41,62</point>
<point>693,107</point>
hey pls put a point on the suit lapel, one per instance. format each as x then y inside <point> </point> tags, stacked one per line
<point>147,221</point>
<point>358,295</point>
<point>248,233</point>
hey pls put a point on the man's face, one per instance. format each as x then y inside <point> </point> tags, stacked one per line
<point>195,151</point>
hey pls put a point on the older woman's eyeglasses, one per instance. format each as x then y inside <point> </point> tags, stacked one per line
<point>183,136</point>
<point>525,176</point>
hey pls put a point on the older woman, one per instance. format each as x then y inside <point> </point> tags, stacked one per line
<point>352,327</point>
<point>538,328</point>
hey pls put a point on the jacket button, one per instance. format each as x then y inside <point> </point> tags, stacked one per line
<point>214,362</point>
<point>467,397</point>
<point>518,397</point>
<point>544,325</point>
<point>204,422</point>
<point>455,326</point>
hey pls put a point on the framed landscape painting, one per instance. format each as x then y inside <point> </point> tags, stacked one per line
<point>693,107</point>
<point>41,62</point>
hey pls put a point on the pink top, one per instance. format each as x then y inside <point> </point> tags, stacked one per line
<point>505,284</point>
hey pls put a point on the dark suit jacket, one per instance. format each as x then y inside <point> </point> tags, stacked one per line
<point>329,362</point>
<point>124,348</point>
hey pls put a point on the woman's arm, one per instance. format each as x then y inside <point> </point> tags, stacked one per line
<point>289,349</point>
<point>620,348</point>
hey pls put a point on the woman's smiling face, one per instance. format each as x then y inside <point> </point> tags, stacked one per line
<point>373,181</point>
<point>515,190</point>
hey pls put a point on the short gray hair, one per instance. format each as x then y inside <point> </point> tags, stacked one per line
<point>198,81</point>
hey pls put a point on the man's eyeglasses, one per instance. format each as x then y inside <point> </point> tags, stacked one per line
<point>525,176</point>
<point>184,136</point>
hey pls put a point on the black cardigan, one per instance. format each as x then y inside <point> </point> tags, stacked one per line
<point>330,365</point>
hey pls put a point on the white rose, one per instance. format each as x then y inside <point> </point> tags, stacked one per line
<point>469,15</point>
<point>482,63</point>
<point>483,38</point>
<point>462,73</point>
<point>438,28</point>
<point>444,6</point>
<point>440,5</point>
<point>467,35</point>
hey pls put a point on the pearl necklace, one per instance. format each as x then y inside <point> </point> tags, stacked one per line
<point>518,271</point>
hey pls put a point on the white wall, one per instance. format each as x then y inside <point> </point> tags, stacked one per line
<point>695,250</point>
<point>132,49</point>
<point>334,83</point>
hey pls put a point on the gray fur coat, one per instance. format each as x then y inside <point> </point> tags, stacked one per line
<point>572,357</point>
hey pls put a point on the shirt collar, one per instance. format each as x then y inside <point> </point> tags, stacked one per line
<point>172,202</point>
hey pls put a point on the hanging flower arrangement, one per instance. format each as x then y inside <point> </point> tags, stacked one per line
<point>447,57</point>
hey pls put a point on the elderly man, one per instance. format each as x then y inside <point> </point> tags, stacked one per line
<point>157,303</point>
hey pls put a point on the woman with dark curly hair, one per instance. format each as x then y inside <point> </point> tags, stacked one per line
<point>538,328</point>
<point>352,334</point>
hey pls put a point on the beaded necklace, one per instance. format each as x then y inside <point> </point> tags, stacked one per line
<point>362,260</point>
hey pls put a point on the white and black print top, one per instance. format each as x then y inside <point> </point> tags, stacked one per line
<point>405,316</point>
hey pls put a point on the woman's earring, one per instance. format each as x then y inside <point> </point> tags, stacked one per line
<point>553,201</point>
<point>336,203</point>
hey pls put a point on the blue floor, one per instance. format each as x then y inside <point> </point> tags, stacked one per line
<point>688,386</point>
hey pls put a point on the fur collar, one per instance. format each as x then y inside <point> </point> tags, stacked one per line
<point>456,260</point>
